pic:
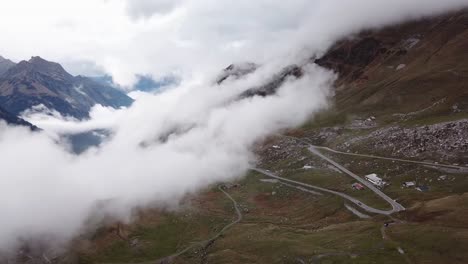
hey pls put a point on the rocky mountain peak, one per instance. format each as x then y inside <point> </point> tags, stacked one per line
<point>5,65</point>
<point>38,81</point>
<point>35,67</point>
<point>52,69</point>
<point>237,71</point>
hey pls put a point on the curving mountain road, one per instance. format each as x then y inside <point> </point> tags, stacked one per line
<point>216,236</point>
<point>343,195</point>
<point>396,206</point>
<point>393,159</point>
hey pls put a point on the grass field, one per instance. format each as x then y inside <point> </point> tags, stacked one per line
<point>283,225</point>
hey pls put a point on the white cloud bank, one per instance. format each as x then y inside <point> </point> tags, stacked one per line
<point>164,147</point>
<point>186,37</point>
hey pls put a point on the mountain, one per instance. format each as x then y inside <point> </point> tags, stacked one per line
<point>146,83</point>
<point>38,81</point>
<point>14,120</point>
<point>5,64</point>
<point>270,87</point>
<point>404,87</point>
<point>404,68</point>
<point>236,71</point>
<point>6,116</point>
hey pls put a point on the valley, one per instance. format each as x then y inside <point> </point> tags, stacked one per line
<point>380,175</point>
<point>299,204</point>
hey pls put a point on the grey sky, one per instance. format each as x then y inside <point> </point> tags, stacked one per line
<point>189,37</point>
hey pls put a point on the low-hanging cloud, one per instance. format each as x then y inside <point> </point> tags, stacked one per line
<point>47,190</point>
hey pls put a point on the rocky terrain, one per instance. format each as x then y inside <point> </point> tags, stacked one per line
<point>236,71</point>
<point>401,91</point>
<point>40,82</point>
<point>292,71</point>
<point>5,64</point>
<point>14,120</point>
<point>446,141</point>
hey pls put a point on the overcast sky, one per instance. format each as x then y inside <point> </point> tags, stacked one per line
<point>128,37</point>
<point>144,36</point>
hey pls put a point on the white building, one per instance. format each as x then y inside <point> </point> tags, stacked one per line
<point>374,179</point>
<point>409,184</point>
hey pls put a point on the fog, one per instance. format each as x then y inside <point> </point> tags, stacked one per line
<point>177,142</point>
<point>163,147</point>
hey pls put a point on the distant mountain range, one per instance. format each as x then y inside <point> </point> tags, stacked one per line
<point>38,81</point>
<point>144,83</point>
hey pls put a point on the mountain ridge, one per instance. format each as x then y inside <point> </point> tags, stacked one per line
<point>389,69</point>
<point>5,64</point>
<point>11,119</point>
<point>39,81</point>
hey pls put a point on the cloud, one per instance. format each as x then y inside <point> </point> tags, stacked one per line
<point>164,147</point>
<point>188,37</point>
<point>149,8</point>
<point>83,67</point>
<point>331,20</point>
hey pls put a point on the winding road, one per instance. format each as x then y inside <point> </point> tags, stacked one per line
<point>212,239</point>
<point>307,142</point>
<point>216,236</point>
<point>393,159</point>
<point>396,206</point>
<point>343,195</point>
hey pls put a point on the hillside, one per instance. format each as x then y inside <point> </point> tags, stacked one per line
<point>404,68</point>
<point>14,120</point>
<point>402,89</point>
<point>37,81</point>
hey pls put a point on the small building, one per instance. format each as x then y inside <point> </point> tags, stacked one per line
<point>422,188</point>
<point>442,178</point>
<point>409,184</point>
<point>358,186</point>
<point>374,179</point>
